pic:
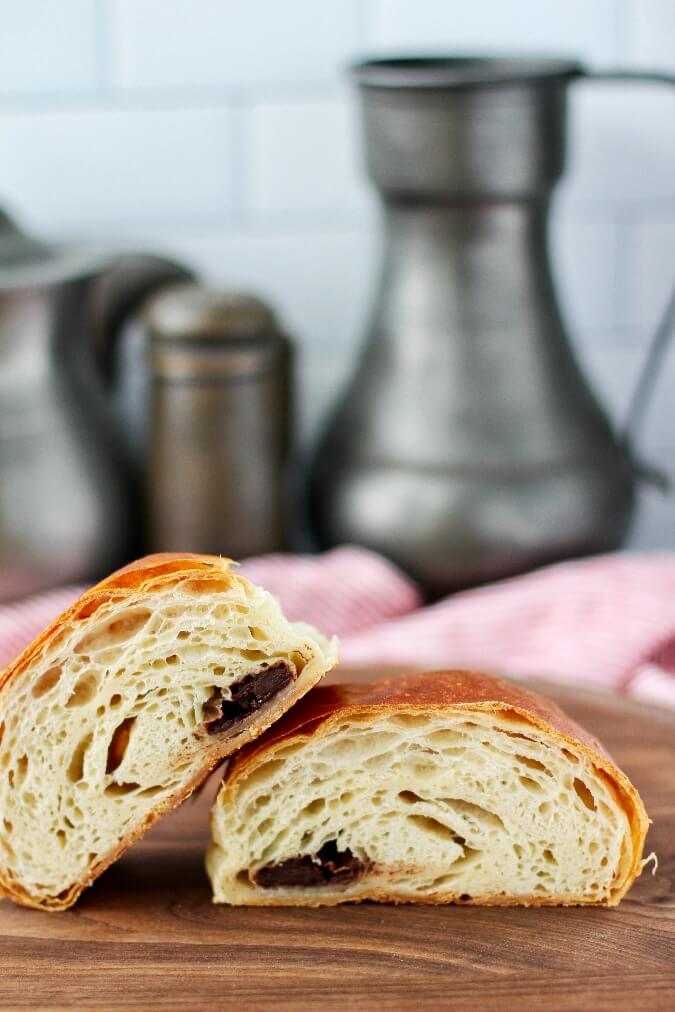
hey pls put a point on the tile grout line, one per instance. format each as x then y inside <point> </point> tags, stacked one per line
<point>239,156</point>
<point>106,30</point>
<point>623,26</point>
<point>110,96</point>
<point>365,22</point>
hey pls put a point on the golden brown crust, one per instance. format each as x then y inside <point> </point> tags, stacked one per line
<point>383,896</point>
<point>430,690</point>
<point>450,692</point>
<point>144,575</point>
<point>152,571</point>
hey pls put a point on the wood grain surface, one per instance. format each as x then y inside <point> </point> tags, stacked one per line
<point>146,935</point>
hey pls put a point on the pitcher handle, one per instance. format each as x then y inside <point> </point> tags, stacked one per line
<point>122,287</point>
<point>660,339</point>
<point>127,281</point>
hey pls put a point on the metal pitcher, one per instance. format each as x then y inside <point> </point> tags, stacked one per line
<point>469,446</point>
<point>67,507</point>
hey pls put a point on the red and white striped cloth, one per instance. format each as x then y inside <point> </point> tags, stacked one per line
<point>608,621</point>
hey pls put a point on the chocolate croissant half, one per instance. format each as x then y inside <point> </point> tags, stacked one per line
<point>445,787</point>
<point>123,706</point>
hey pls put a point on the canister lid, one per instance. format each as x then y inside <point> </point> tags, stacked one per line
<point>198,330</point>
<point>192,311</point>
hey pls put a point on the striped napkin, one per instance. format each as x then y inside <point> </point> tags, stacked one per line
<point>608,621</point>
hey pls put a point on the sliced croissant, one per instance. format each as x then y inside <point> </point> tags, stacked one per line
<point>123,706</point>
<point>445,787</point>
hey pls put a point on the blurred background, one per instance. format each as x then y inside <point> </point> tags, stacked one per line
<point>226,135</point>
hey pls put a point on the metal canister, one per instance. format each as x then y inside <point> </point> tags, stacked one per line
<point>219,423</point>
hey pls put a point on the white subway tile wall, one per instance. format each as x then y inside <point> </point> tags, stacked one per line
<point>87,170</point>
<point>48,51</point>
<point>211,43</point>
<point>576,27</point>
<point>648,34</point>
<point>226,134</point>
<point>301,160</point>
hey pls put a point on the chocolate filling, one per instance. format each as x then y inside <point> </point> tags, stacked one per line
<point>247,696</point>
<point>329,866</point>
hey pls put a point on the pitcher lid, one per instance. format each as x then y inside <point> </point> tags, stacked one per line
<point>460,71</point>
<point>26,262</point>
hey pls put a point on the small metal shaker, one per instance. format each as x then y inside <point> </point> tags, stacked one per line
<point>219,423</point>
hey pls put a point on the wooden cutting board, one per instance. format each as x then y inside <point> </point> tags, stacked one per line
<point>147,936</point>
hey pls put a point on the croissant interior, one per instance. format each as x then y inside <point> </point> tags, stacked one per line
<point>408,805</point>
<point>123,711</point>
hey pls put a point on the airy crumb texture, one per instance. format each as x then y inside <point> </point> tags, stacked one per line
<point>476,793</point>
<point>121,708</point>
